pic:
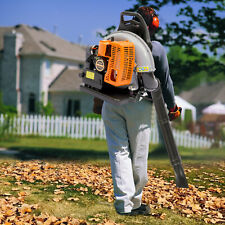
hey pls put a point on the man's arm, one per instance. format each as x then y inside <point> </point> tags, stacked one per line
<point>163,73</point>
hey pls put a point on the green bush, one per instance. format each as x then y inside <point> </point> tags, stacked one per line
<point>93,115</point>
<point>6,109</point>
<point>6,128</point>
<point>187,117</point>
<point>188,120</point>
<point>47,110</point>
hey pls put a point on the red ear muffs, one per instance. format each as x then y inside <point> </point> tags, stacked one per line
<point>149,16</point>
<point>155,22</point>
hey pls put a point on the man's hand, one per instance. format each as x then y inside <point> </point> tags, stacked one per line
<point>174,112</point>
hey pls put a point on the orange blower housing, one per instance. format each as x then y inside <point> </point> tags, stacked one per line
<point>121,61</point>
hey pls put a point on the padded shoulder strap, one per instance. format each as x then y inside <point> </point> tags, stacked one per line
<point>138,27</point>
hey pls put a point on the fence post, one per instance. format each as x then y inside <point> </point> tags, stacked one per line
<point>22,124</point>
<point>14,125</point>
<point>51,125</point>
<point>93,128</point>
<point>176,137</point>
<point>97,127</point>
<point>85,130</point>
<point>31,124</point>
<point>47,126</point>
<point>44,125</point>
<point>182,138</point>
<point>26,119</point>
<point>102,129</point>
<point>56,123</point>
<point>64,125</point>
<point>89,127</point>
<point>193,141</point>
<point>68,130</point>
<point>77,125</point>
<point>81,130</point>
<point>72,127</point>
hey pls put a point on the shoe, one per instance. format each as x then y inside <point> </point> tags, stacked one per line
<point>142,210</point>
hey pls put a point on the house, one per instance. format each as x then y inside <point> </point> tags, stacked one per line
<point>212,122</point>
<point>205,95</point>
<point>201,97</point>
<point>38,66</point>
<point>65,95</point>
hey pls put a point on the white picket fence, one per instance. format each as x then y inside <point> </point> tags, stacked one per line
<point>79,127</point>
<point>56,126</point>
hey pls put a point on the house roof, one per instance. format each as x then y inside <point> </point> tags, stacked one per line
<point>38,41</point>
<point>68,80</point>
<point>206,94</point>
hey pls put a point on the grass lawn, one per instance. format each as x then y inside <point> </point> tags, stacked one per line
<point>71,178</point>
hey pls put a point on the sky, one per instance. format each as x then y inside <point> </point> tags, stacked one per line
<point>76,21</point>
<point>73,20</point>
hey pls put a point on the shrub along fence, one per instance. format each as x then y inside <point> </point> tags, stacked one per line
<point>81,127</point>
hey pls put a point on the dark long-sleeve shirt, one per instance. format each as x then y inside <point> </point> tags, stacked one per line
<point>163,73</point>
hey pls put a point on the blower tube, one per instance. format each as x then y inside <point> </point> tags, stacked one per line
<point>168,137</point>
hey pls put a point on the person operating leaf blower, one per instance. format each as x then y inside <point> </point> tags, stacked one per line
<point>128,130</point>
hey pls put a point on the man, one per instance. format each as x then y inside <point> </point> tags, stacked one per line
<point>128,131</point>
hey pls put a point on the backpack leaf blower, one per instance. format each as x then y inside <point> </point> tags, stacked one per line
<point>121,69</point>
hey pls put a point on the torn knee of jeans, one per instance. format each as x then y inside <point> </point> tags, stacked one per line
<point>123,150</point>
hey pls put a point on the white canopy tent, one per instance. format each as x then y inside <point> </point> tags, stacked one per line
<point>185,105</point>
<point>217,108</point>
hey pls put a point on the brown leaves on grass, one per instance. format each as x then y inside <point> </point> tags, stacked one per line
<point>191,202</point>
<point>101,217</point>
<point>159,193</point>
<point>14,211</point>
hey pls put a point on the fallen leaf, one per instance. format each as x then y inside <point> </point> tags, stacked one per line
<point>57,199</point>
<point>73,199</point>
<point>22,193</point>
<point>15,189</point>
<point>58,192</point>
<point>27,188</point>
<point>162,216</point>
<point>6,194</point>
<point>94,219</point>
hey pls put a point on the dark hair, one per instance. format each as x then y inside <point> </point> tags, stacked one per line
<point>147,13</point>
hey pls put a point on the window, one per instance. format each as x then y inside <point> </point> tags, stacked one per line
<point>31,103</point>
<point>76,108</point>
<point>73,108</point>
<point>47,67</point>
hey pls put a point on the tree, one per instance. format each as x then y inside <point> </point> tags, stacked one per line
<point>203,25</point>
<point>189,68</point>
<point>194,26</point>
